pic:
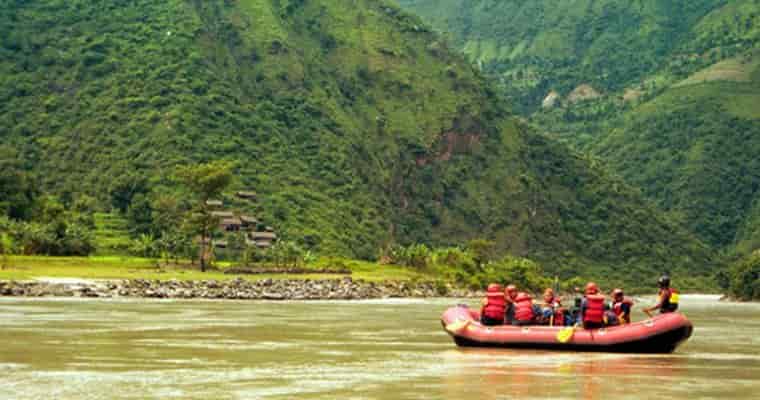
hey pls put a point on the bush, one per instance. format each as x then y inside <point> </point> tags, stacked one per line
<point>78,241</point>
<point>58,238</point>
<point>7,245</point>
<point>745,282</point>
<point>145,246</point>
<point>416,256</point>
<point>482,250</point>
<point>526,274</point>
<point>455,257</point>
<point>284,254</point>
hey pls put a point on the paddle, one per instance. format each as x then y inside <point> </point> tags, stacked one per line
<point>564,335</point>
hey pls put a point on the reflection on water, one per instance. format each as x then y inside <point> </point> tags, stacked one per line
<point>556,375</point>
<point>101,349</point>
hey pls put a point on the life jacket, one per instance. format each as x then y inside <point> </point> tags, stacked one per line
<point>523,307</point>
<point>669,300</point>
<point>559,316</point>
<point>594,309</point>
<point>617,308</point>
<point>496,305</point>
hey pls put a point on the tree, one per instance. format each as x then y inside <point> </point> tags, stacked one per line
<point>172,245</point>
<point>205,181</point>
<point>125,188</point>
<point>483,250</point>
<point>17,190</point>
<point>145,246</point>
<point>745,284</point>
<point>84,208</point>
<point>236,243</point>
<point>7,246</point>
<point>167,213</point>
<point>140,215</point>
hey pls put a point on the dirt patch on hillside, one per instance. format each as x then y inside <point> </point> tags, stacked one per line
<point>632,94</point>
<point>583,92</point>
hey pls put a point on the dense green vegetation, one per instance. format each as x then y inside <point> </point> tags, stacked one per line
<point>745,278</point>
<point>543,45</point>
<point>354,122</point>
<point>55,230</point>
<point>677,92</point>
<point>705,169</point>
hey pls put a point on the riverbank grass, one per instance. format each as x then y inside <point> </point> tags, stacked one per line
<point>122,267</point>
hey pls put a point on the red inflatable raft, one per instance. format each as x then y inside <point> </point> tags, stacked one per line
<point>660,334</point>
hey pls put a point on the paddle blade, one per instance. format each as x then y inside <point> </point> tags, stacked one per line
<point>565,334</point>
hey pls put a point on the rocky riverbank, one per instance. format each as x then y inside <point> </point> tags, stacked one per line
<point>237,289</point>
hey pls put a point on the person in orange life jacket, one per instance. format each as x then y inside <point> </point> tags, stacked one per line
<point>592,308</point>
<point>493,306</point>
<point>523,306</point>
<point>621,306</point>
<point>668,297</point>
<point>510,294</point>
<point>551,307</point>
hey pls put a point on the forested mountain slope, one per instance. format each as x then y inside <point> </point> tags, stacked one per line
<point>666,92</point>
<point>354,122</point>
<point>695,149</point>
<point>543,45</point>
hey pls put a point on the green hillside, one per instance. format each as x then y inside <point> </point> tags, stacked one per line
<point>706,167</point>
<point>535,47</point>
<point>354,122</point>
<point>748,237</point>
<point>675,102</point>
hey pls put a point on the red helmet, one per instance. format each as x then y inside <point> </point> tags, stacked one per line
<point>511,291</point>
<point>617,293</point>
<point>591,288</point>
<point>494,287</point>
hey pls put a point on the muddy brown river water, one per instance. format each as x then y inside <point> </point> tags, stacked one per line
<point>394,349</point>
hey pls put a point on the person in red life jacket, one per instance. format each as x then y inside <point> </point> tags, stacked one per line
<point>524,313</point>
<point>494,305</point>
<point>510,295</point>
<point>621,306</point>
<point>592,308</point>
<point>552,312</point>
<point>668,297</point>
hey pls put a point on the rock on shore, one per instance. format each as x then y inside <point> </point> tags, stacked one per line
<point>238,289</point>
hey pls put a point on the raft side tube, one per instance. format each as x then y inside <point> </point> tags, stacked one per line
<point>661,334</point>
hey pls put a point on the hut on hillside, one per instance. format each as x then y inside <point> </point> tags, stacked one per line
<point>263,240</point>
<point>223,214</point>
<point>214,203</point>
<point>248,222</point>
<point>232,224</point>
<point>246,195</point>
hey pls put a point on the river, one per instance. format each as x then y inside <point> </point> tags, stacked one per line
<point>394,349</point>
